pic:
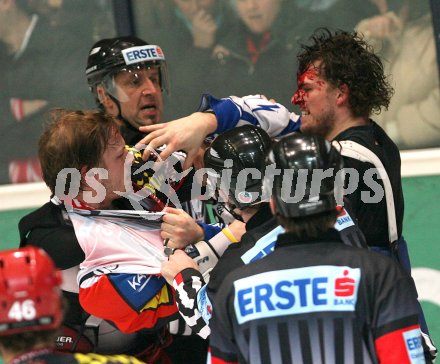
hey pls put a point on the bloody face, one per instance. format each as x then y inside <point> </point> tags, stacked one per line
<point>315,97</point>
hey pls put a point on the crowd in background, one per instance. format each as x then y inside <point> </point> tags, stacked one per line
<point>219,47</point>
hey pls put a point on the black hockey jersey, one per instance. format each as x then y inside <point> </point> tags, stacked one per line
<point>316,301</point>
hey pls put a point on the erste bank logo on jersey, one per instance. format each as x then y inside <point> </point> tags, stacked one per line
<point>343,220</point>
<point>414,348</point>
<point>296,291</point>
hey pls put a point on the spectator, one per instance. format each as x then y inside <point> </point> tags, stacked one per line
<point>187,31</point>
<point>289,305</point>
<point>32,311</point>
<point>257,55</point>
<point>42,70</point>
<point>398,35</point>
<point>340,14</point>
<point>68,17</point>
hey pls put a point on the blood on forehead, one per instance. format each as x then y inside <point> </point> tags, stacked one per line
<point>312,74</point>
<point>300,94</point>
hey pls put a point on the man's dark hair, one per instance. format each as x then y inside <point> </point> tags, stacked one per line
<point>309,226</point>
<point>74,139</point>
<point>347,59</point>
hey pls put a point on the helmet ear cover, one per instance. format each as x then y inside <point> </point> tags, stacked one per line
<point>296,190</point>
<point>237,156</point>
<point>30,295</point>
<point>245,192</point>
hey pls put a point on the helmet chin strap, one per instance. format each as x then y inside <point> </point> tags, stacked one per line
<point>234,214</point>
<point>116,101</point>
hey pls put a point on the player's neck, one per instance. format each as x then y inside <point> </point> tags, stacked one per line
<point>85,199</point>
<point>343,124</point>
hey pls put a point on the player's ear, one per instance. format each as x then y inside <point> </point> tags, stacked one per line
<point>342,94</point>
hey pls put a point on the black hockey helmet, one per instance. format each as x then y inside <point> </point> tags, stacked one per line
<point>304,182</point>
<point>113,55</point>
<point>241,149</point>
